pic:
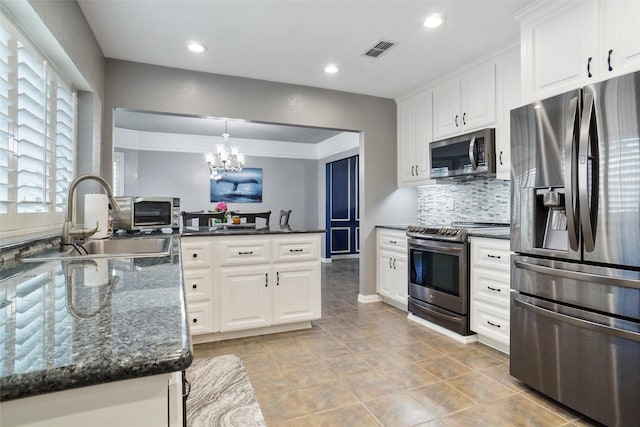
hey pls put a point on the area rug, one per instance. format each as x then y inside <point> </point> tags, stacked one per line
<point>221,394</point>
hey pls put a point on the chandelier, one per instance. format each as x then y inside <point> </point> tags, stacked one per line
<point>224,160</point>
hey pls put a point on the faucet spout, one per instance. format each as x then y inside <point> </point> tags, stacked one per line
<point>69,235</point>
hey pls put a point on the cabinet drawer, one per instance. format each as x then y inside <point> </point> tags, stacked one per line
<point>490,286</point>
<point>490,253</point>
<point>392,239</point>
<point>239,251</point>
<point>196,253</point>
<point>198,284</point>
<point>292,249</point>
<point>490,322</point>
<point>200,316</point>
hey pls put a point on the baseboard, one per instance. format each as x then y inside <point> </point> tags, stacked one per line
<point>366,299</point>
<point>504,348</point>
<point>345,256</point>
<point>220,336</point>
<point>444,331</point>
<point>325,260</point>
<point>394,303</point>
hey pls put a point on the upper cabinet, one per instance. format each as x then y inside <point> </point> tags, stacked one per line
<point>414,135</point>
<point>466,103</point>
<point>566,45</point>
<point>507,98</point>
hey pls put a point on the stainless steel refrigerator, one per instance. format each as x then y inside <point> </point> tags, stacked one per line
<point>575,229</point>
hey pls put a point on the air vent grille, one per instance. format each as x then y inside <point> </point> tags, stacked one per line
<point>379,48</point>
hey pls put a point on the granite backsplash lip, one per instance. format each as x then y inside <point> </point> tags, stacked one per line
<point>220,231</point>
<point>123,318</point>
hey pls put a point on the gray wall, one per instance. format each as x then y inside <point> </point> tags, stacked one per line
<point>153,88</point>
<point>286,183</point>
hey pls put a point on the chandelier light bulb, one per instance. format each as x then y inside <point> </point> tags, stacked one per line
<point>227,159</point>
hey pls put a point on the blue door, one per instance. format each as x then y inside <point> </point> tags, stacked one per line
<point>342,210</point>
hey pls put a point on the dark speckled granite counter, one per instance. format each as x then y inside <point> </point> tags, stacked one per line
<point>68,324</point>
<point>242,230</point>
<point>492,233</point>
<point>394,226</point>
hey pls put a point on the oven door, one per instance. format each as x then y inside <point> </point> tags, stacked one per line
<point>151,212</point>
<point>438,274</point>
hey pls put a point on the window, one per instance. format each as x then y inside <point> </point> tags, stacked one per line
<point>37,137</point>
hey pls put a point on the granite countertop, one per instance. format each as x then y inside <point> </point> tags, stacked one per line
<point>69,324</point>
<point>243,230</point>
<point>493,233</point>
<point>393,226</point>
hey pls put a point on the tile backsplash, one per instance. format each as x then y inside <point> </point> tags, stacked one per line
<point>483,200</point>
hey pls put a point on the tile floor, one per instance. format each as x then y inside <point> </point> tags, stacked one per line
<point>367,365</point>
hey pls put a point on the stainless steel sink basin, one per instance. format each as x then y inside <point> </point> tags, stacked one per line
<point>120,248</point>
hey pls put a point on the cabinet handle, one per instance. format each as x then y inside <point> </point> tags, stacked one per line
<point>195,255</point>
<point>194,286</point>
<point>494,289</point>
<point>609,60</point>
<point>456,120</point>
<point>394,263</point>
<point>494,256</point>
<point>393,241</point>
<point>495,325</point>
<point>296,250</point>
<point>500,157</point>
<point>246,253</point>
<point>417,174</point>
<point>277,278</point>
<point>195,320</point>
<point>589,67</point>
<point>412,174</point>
<point>390,262</point>
<point>464,119</point>
<point>266,280</point>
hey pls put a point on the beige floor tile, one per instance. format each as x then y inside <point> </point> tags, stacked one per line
<point>500,373</point>
<point>440,398</point>
<point>369,385</point>
<point>347,365</point>
<point>471,417</point>
<point>280,406</point>
<point>362,345</point>
<point>520,411</point>
<point>308,373</point>
<point>383,359</point>
<point>475,359</point>
<point>398,410</point>
<point>326,396</point>
<point>351,416</point>
<point>480,388</point>
<point>445,367</point>
<point>409,376</point>
<point>550,404</point>
<point>416,352</point>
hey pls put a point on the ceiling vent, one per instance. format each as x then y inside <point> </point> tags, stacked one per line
<point>379,48</point>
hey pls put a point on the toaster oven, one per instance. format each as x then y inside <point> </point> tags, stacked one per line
<point>147,213</point>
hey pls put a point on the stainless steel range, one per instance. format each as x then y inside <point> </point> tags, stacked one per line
<point>439,274</point>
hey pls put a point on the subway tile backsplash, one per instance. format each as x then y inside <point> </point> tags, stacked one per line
<point>483,200</point>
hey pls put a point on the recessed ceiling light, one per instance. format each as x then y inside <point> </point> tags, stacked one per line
<point>331,69</point>
<point>196,47</point>
<point>433,21</point>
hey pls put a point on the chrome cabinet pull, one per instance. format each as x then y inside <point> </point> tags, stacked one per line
<point>589,67</point>
<point>296,250</point>
<point>494,289</point>
<point>494,256</point>
<point>609,60</point>
<point>246,253</point>
<point>493,324</point>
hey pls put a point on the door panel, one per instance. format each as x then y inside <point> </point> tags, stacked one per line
<point>343,211</point>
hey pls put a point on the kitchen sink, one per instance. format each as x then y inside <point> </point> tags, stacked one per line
<point>110,248</point>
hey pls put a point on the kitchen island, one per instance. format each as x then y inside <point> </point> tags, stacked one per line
<point>93,341</point>
<point>242,281</point>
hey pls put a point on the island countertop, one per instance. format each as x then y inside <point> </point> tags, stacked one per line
<point>243,230</point>
<point>69,324</point>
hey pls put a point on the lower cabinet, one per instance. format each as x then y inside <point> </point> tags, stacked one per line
<point>392,274</point>
<point>256,283</point>
<point>490,283</point>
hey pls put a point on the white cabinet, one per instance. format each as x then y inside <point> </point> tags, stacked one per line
<point>257,282</point>
<point>566,45</point>
<point>507,98</point>
<point>392,275</point>
<point>414,135</point>
<point>465,103</point>
<point>490,283</point>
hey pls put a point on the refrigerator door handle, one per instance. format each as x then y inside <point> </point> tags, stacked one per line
<point>576,275</point>
<point>571,176</point>
<point>472,153</point>
<point>621,333</point>
<point>588,162</point>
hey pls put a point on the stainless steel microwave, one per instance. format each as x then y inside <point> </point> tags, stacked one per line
<point>145,213</point>
<point>465,156</point>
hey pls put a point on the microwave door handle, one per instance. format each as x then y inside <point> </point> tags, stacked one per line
<point>588,140</point>
<point>570,176</point>
<point>472,153</point>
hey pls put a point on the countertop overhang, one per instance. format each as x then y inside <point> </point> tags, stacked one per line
<point>230,230</point>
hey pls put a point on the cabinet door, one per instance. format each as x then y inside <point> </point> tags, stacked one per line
<point>557,42</point>
<point>296,292</point>
<point>406,141</point>
<point>246,293</point>
<point>478,97</point>
<point>621,38</point>
<point>507,98</point>
<point>446,110</point>
<point>414,135</point>
<point>201,318</point>
<point>385,273</point>
<point>423,136</point>
<point>400,279</point>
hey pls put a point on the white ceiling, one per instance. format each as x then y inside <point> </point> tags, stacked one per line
<point>292,41</point>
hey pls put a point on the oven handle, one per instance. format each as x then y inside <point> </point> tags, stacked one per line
<point>437,248</point>
<point>620,333</point>
<point>438,314</point>
<point>586,277</point>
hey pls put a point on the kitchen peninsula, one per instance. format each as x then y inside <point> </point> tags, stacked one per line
<point>247,281</point>
<point>93,341</point>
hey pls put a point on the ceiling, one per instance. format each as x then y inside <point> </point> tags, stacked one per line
<point>292,41</point>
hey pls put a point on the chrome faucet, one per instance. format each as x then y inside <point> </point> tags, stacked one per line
<point>69,233</point>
